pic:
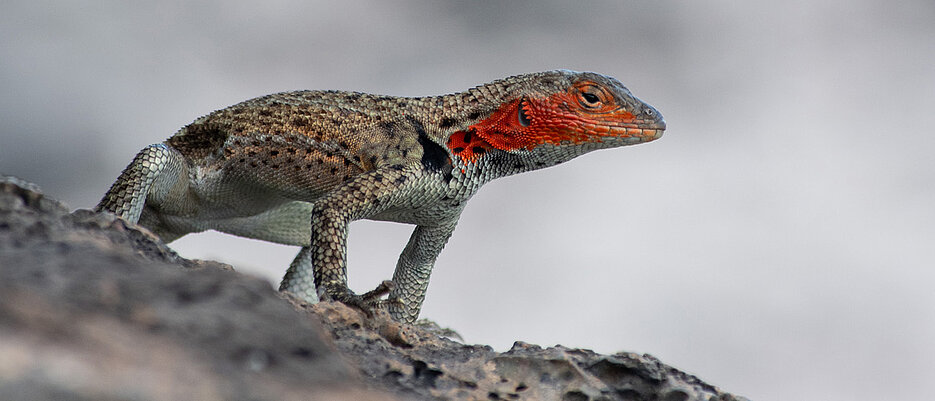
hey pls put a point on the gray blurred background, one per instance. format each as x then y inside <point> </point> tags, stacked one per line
<point>777,241</point>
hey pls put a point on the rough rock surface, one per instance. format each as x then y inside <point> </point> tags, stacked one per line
<point>93,308</point>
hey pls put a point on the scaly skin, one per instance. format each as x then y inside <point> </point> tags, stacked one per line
<point>297,167</point>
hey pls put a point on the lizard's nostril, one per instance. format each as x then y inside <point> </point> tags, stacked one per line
<point>652,115</point>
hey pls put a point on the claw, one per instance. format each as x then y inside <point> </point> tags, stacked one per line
<point>368,301</point>
<point>374,295</point>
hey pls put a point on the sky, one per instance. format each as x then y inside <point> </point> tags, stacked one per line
<point>777,242</point>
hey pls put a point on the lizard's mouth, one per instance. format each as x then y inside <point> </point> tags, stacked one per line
<point>646,132</point>
<point>648,125</point>
<point>651,134</point>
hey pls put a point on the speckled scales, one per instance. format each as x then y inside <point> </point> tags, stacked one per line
<point>298,167</point>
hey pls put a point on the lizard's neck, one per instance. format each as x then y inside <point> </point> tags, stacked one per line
<point>447,114</point>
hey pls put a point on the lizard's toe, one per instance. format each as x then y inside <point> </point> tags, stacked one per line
<point>376,294</point>
<point>367,302</point>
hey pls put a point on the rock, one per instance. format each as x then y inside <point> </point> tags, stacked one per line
<point>92,307</point>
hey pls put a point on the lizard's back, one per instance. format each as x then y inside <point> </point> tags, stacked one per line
<point>262,161</point>
<point>312,140</point>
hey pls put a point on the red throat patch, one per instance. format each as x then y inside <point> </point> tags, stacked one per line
<point>467,145</point>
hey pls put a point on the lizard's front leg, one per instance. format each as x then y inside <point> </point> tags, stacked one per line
<point>363,196</point>
<point>414,267</point>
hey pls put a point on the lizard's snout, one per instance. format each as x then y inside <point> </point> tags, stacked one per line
<point>653,117</point>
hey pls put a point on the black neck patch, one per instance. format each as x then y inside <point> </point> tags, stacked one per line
<point>434,157</point>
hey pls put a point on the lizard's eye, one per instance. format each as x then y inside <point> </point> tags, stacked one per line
<point>592,97</point>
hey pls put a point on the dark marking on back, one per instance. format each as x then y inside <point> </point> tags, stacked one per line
<point>446,123</point>
<point>197,141</point>
<point>389,127</point>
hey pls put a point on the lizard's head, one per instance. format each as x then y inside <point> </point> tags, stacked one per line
<point>552,117</point>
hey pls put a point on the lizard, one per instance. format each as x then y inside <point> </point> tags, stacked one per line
<point>297,167</point>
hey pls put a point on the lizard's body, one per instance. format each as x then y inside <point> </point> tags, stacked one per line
<point>297,167</point>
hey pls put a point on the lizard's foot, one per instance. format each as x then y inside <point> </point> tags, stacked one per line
<point>375,294</point>
<point>368,301</point>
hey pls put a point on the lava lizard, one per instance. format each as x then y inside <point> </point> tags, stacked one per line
<point>297,167</point>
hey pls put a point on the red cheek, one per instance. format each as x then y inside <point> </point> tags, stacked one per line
<point>551,123</point>
<point>504,130</point>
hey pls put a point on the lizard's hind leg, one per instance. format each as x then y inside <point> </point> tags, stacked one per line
<point>151,176</point>
<point>299,279</point>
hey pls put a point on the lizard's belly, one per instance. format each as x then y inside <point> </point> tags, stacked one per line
<point>245,207</point>
<point>233,204</point>
<point>288,223</point>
